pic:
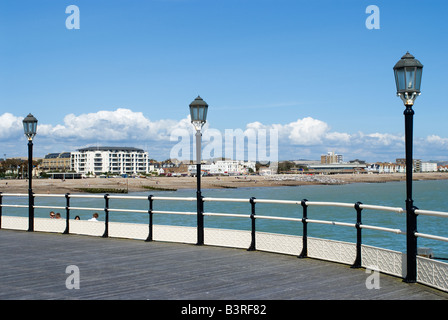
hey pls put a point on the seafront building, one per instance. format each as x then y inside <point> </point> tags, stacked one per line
<point>113,160</point>
<point>400,167</point>
<point>225,167</point>
<point>429,167</point>
<point>56,162</point>
<point>337,168</point>
<point>331,158</point>
<point>95,161</point>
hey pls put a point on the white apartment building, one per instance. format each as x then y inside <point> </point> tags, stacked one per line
<point>230,167</point>
<point>115,160</point>
<point>389,167</point>
<point>429,167</point>
<point>386,167</point>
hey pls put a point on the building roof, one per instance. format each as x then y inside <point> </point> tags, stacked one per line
<point>114,149</point>
<point>57,155</point>
<point>51,155</point>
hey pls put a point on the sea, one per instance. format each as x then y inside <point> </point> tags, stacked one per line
<point>427,195</point>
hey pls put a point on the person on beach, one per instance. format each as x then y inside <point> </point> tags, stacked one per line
<point>52,215</point>
<point>94,217</point>
<point>77,218</point>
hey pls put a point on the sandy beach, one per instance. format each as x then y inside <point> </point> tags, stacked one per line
<point>59,186</point>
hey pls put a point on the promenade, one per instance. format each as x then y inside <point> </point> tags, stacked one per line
<point>33,266</point>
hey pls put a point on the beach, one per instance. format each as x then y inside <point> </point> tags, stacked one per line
<point>124,185</point>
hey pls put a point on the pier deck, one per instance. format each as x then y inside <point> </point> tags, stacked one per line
<point>33,266</point>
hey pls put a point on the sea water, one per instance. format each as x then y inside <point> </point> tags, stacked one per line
<point>427,195</point>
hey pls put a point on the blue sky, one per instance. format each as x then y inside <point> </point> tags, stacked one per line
<point>310,69</point>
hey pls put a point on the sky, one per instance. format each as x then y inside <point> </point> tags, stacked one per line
<point>311,72</point>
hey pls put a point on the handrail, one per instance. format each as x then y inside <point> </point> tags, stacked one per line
<point>225,199</point>
<point>174,212</point>
<point>48,207</point>
<point>215,214</point>
<point>428,236</point>
<point>127,210</point>
<point>279,218</point>
<point>276,201</point>
<point>85,208</point>
<point>397,231</point>
<point>382,208</point>
<point>15,194</point>
<point>48,195</point>
<point>175,198</point>
<point>15,205</point>
<point>431,213</point>
<point>334,223</point>
<point>128,197</point>
<point>330,204</point>
<point>80,196</point>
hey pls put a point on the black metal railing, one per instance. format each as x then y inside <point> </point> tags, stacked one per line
<point>253,216</point>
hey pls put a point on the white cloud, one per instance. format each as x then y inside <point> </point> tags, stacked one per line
<point>436,140</point>
<point>384,139</point>
<point>302,138</point>
<point>10,126</point>
<point>119,125</point>
<point>339,138</point>
<point>303,135</point>
<point>306,131</point>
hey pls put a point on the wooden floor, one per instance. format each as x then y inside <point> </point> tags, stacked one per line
<point>33,266</point>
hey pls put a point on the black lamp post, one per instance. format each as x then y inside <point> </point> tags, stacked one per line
<point>30,128</point>
<point>198,113</point>
<point>408,76</point>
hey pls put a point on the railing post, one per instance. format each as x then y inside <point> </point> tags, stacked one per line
<point>252,218</point>
<point>304,252</point>
<point>30,210</point>
<point>106,220</point>
<point>67,211</point>
<point>200,218</point>
<point>150,218</point>
<point>357,263</point>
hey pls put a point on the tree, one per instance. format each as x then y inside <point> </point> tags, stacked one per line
<point>285,166</point>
